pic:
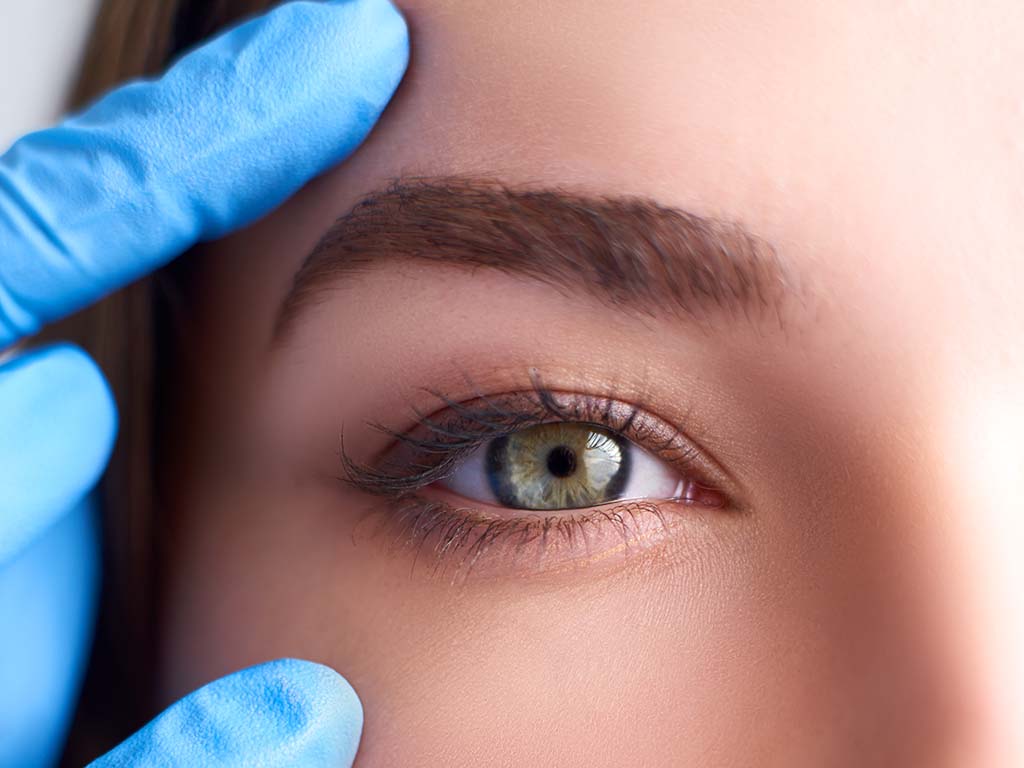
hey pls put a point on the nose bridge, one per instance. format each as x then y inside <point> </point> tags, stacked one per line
<point>954,523</point>
<point>961,559</point>
<point>979,496</point>
<point>943,560</point>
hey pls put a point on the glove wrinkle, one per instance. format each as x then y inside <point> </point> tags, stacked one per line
<point>229,132</point>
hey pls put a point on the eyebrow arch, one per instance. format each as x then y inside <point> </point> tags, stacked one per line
<point>630,252</point>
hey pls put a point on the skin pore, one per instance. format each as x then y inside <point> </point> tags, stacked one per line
<point>853,604</point>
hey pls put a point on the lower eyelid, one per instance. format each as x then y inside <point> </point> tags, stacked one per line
<point>456,542</point>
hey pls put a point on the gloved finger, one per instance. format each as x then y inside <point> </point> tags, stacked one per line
<point>57,427</point>
<point>48,597</point>
<point>230,131</point>
<point>283,713</point>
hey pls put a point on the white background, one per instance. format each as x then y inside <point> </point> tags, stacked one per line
<point>40,45</point>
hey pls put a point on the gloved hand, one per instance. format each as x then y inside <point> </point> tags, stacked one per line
<point>230,131</point>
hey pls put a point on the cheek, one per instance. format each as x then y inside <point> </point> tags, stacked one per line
<point>656,661</point>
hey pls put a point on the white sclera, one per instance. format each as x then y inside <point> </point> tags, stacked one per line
<point>649,477</point>
<point>470,479</point>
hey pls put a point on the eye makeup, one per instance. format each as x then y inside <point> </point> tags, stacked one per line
<point>590,477</point>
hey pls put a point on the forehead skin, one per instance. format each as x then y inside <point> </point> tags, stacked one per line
<point>880,147</point>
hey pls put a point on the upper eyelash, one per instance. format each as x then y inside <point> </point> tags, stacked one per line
<point>469,427</point>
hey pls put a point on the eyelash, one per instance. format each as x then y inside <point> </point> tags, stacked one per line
<point>434,448</point>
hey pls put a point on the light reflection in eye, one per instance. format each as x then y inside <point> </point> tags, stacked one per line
<point>562,465</point>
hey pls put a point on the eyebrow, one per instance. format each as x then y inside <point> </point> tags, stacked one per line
<point>630,252</point>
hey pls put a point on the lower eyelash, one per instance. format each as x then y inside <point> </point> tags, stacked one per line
<point>456,539</point>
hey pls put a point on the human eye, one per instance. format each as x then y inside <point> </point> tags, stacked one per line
<point>536,479</point>
<point>564,465</point>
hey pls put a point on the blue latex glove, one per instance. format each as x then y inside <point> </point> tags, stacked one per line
<point>284,713</point>
<point>229,132</point>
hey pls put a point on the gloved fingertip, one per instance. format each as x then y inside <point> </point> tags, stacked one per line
<point>282,713</point>
<point>48,598</point>
<point>318,710</point>
<point>59,422</point>
<point>382,15</point>
<point>381,54</point>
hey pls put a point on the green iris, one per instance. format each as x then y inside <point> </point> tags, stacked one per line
<point>558,466</point>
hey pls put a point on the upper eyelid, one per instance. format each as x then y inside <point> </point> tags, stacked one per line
<point>474,430</point>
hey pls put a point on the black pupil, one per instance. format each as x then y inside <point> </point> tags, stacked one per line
<point>562,461</point>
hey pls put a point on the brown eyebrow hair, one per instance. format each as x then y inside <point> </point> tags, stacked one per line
<point>630,252</point>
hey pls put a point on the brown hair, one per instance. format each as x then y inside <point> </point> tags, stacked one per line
<point>129,39</point>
